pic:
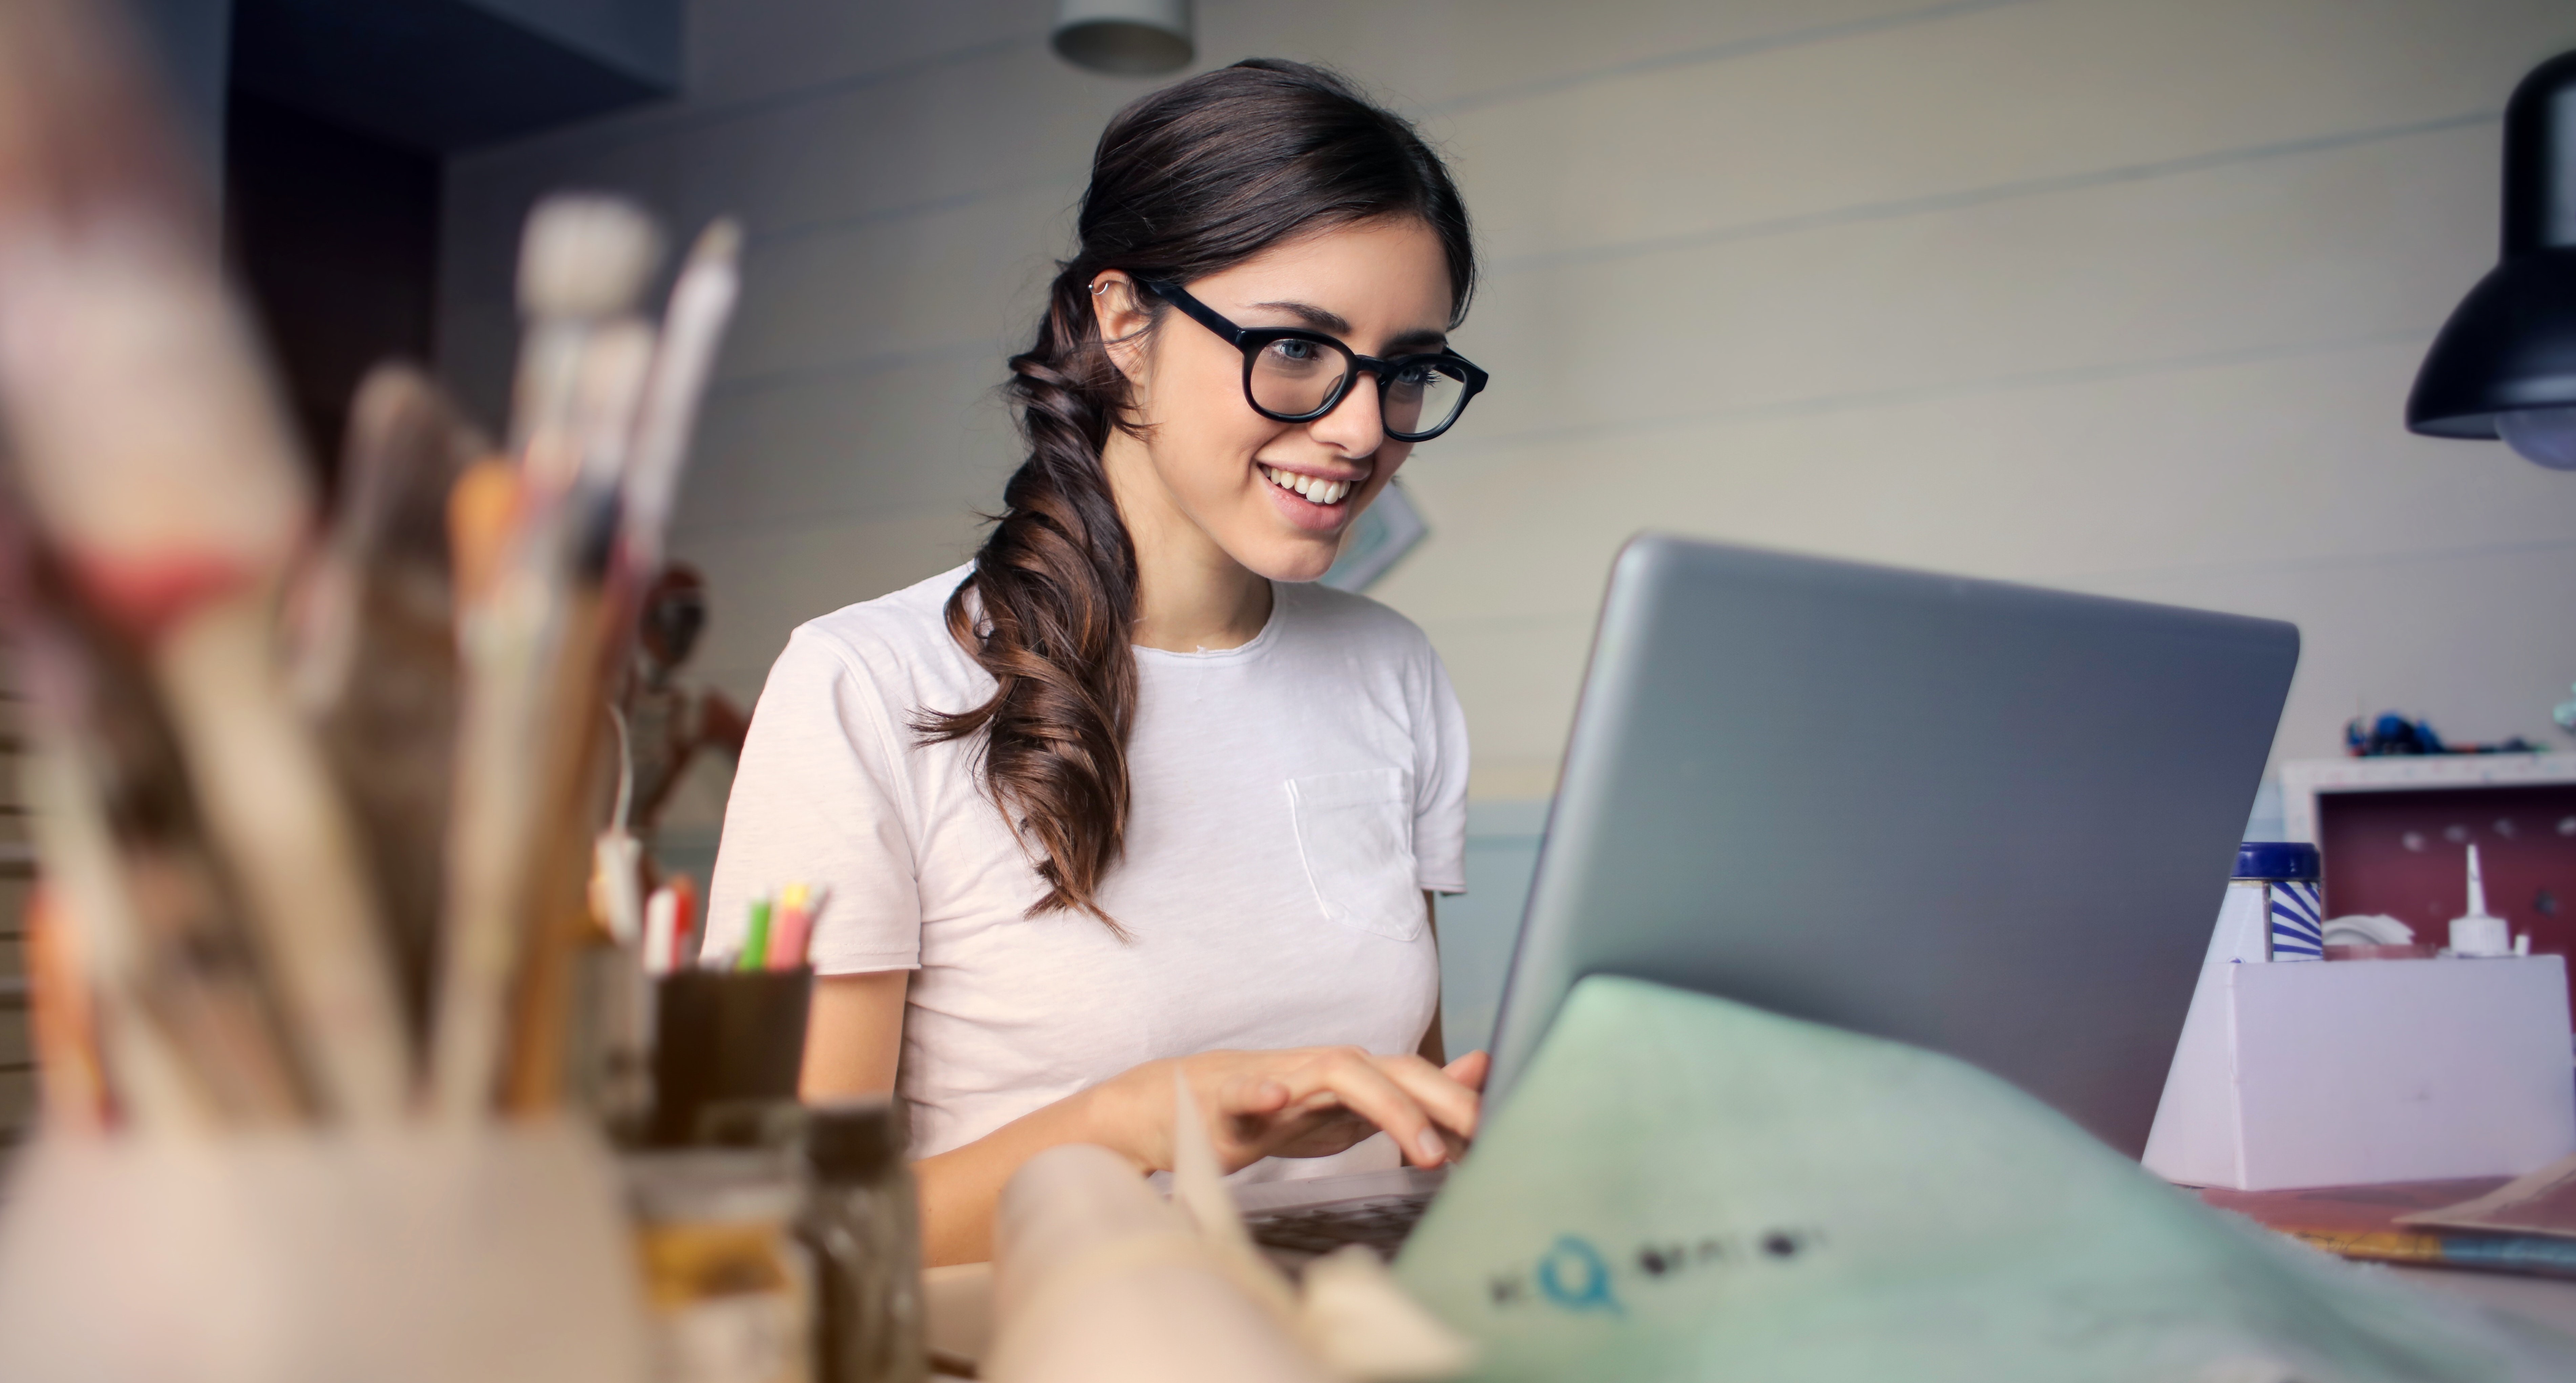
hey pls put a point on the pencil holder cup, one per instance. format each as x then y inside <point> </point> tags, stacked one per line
<point>726,1043</point>
<point>499,1255</point>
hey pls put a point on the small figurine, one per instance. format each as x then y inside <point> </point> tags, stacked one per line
<point>667,722</point>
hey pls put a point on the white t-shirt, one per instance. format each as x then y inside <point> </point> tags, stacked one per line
<point>1289,802</point>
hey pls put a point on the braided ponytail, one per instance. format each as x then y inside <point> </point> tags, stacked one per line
<point>1186,182</point>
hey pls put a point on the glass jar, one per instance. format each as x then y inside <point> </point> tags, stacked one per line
<point>726,1276</point>
<point>863,1227</point>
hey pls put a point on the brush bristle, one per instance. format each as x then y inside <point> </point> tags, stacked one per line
<point>722,239</point>
<point>586,255</point>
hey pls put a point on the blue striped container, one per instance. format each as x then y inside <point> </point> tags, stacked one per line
<point>2292,900</point>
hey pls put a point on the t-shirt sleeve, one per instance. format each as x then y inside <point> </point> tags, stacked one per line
<point>820,799</point>
<point>1440,787</point>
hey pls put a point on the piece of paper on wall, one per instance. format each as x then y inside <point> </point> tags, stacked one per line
<point>1390,528</point>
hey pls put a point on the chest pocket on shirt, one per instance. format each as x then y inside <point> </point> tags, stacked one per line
<point>1355,833</point>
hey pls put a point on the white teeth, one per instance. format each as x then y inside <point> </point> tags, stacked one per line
<point>1315,489</point>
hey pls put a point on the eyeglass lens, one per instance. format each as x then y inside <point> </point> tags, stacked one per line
<point>1293,378</point>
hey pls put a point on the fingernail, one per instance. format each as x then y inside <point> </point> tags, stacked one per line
<point>1432,1147</point>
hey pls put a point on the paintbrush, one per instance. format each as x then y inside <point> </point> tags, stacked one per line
<point>644,471</point>
<point>63,1021</point>
<point>155,459</point>
<point>578,770</point>
<point>372,648</point>
<point>702,303</point>
<point>186,1034</point>
<point>144,937</point>
<point>616,1034</point>
<point>529,634</point>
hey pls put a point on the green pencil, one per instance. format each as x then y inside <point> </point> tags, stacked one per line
<point>755,941</point>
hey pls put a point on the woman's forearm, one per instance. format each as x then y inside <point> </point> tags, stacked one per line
<point>854,1032</point>
<point>960,1187</point>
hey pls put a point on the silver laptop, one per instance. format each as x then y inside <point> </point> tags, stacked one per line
<point>1986,819</point>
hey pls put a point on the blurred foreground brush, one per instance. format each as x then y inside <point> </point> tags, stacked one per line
<point>155,463</point>
<point>269,853</point>
<point>372,643</point>
<point>187,1021</point>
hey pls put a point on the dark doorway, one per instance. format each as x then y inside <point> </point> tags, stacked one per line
<point>335,234</point>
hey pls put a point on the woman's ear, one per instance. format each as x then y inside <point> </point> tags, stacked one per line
<point>1122,321</point>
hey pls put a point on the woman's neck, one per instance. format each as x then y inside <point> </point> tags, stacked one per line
<point>1187,604</point>
<point>1191,595</point>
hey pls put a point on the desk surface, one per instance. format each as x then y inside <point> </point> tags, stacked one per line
<point>957,1316</point>
<point>2360,1222</point>
<point>2548,1300</point>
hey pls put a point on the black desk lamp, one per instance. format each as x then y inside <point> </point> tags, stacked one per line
<point>2505,364</point>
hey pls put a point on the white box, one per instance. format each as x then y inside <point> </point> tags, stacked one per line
<point>2353,1072</point>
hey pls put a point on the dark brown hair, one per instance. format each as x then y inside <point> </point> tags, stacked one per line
<point>1189,181</point>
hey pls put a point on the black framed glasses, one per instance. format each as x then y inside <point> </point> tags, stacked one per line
<point>1296,376</point>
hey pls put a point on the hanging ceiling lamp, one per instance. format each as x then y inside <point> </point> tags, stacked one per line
<point>2505,364</point>
<point>1127,38</point>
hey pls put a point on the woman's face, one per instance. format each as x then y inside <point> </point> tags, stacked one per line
<point>1208,468</point>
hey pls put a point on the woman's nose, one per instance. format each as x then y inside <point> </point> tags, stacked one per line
<point>1355,428</point>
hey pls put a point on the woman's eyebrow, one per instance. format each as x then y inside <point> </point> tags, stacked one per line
<point>1324,319</point>
<point>1317,318</point>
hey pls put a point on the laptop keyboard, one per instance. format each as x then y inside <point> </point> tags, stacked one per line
<point>1378,1223</point>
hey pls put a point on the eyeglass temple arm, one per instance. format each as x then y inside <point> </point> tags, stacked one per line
<point>1197,311</point>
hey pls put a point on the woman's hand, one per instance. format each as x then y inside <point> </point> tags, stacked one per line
<point>1304,1102</point>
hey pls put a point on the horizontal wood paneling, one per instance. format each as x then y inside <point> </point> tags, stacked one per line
<point>2100,293</point>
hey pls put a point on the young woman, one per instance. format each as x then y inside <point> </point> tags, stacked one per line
<point>1128,796</point>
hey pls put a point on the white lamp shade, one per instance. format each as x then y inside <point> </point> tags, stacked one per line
<point>1131,38</point>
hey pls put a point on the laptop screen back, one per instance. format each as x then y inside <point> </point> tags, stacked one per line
<point>1986,819</point>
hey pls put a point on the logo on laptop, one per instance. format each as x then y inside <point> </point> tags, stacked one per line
<point>1576,1276</point>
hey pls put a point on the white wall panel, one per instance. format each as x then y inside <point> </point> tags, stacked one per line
<point>935,445</point>
<point>1988,101</point>
<point>761,585</point>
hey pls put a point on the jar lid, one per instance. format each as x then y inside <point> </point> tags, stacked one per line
<point>855,1140</point>
<point>2277,859</point>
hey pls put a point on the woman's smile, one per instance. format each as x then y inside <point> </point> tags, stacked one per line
<point>1321,490</point>
<point>1314,503</point>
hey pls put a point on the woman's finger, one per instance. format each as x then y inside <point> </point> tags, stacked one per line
<point>1255,1094</point>
<point>1471,1070</point>
<point>1368,1091</point>
<point>1453,1104</point>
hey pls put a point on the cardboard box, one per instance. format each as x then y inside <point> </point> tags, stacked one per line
<point>2353,1072</point>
